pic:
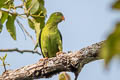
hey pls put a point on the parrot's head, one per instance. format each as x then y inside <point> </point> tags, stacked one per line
<point>57,17</point>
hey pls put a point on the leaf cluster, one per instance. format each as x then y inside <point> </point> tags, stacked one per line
<point>34,11</point>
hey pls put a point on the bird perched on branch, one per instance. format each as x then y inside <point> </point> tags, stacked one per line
<point>50,40</point>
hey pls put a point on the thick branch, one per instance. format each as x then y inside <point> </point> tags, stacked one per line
<point>72,62</point>
<point>20,51</point>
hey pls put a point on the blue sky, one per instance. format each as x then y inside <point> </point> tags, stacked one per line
<point>86,22</point>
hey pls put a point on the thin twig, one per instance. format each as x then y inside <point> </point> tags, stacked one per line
<point>20,51</point>
<point>21,28</point>
<point>4,67</point>
<point>7,11</point>
<point>20,6</point>
<point>14,13</point>
<point>25,30</point>
<point>25,9</point>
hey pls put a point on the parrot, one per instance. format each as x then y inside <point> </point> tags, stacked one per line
<point>50,39</point>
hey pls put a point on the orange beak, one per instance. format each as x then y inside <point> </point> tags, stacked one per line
<point>63,18</point>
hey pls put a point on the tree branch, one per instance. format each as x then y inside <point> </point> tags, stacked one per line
<point>20,51</point>
<point>44,68</point>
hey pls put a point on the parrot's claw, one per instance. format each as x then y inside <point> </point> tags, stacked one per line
<point>59,53</point>
<point>44,59</point>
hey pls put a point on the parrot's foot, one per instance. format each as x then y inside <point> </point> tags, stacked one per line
<point>44,59</point>
<point>59,53</point>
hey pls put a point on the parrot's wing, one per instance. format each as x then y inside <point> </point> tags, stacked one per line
<point>59,42</point>
<point>40,43</point>
<point>60,35</point>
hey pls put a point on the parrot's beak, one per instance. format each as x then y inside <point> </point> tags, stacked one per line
<point>63,18</point>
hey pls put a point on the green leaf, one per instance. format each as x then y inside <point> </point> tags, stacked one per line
<point>1,26</point>
<point>4,17</point>
<point>31,23</point>
<point>111,47</point>
<point>32,6</point>
<point>36,7</point>
<point>2,3</point>
<point>0,14</point>
<point>41,2</point>
<point>1,58</point>
<point>4,57</point>
<point>116,5</point>
<point>40,20</point>
<point>36,45</point>
<point>42,8</point>
<point>37,30</point>
<point>6,3</point>
<point>10,26</point>
<point>42,11</point>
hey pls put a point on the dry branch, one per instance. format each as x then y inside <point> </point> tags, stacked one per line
<point>44,68</point>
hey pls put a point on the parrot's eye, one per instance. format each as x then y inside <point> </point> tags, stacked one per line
<point>56,14</point>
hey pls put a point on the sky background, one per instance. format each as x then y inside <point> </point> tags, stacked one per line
<point>86,22</point>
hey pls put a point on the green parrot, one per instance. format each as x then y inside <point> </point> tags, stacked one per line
<point>50,39</point>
